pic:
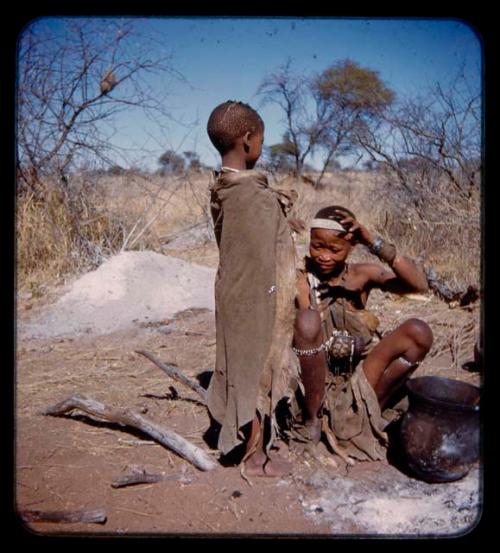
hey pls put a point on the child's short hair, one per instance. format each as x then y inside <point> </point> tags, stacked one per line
<point>335,213</point>
<point>229,121</point>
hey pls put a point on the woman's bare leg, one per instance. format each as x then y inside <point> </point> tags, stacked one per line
<point>383,366</point>
<point>308,334</point>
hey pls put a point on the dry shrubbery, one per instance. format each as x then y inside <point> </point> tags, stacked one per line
<point>65,232</point>
<point>59,234</point>
<point>75,230</point>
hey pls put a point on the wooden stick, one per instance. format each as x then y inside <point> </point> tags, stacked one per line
<point>126,417</point>
<point>176,374</point>
<point>97,516</point>
<point>449,293</point>
<point>142,477</point>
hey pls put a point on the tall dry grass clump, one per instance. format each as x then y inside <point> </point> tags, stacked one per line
<point>435,221</point>
<point>60,233</point>
<point>66,231</point>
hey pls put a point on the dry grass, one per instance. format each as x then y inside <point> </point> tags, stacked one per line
<point>72,232</point>
<point>60,235</point>
<point>448,239</point>
<point>66,233</point>
<point>154,207</point>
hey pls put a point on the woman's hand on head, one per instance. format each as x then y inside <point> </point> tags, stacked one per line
<point>356,231</point>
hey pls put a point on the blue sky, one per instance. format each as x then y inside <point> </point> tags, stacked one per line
<point>227,58</point>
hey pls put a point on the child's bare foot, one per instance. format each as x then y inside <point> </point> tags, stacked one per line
<point>266,467</point>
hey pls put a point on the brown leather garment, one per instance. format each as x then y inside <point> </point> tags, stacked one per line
<point>254,295</point>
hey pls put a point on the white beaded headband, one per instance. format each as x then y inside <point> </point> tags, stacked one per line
<point>329,224</point>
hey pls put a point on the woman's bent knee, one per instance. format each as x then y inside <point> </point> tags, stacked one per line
<point>308,325</point>
<point>420,332</point>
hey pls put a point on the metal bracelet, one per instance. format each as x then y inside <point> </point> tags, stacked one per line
<point>409,364</point>
<point>308,352</point>
<point>324,346</point>
<point>377,245</point>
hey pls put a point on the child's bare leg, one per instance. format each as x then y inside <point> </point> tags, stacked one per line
<point>308,335</point>
<point>258,463</point>
<point>384,369</point>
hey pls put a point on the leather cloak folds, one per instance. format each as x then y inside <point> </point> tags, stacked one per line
<point>254,297</point>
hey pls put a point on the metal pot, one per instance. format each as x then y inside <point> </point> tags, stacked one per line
<point>439,433</point>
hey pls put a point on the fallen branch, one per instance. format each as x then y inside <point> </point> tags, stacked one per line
<point>449,294</point>
<point>176,374</point>
<point>96,516</point>
<point>126,417</point>
<point>137,476</point>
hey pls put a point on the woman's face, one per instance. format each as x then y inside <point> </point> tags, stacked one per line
<point>328,250</point>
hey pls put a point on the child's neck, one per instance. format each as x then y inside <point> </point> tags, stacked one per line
<point>336,273</point>
<point>234,160</point>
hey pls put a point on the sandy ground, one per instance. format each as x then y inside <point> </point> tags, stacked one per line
<point>69,463</point>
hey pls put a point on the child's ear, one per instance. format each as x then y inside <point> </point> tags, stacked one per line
<point>246,141</point>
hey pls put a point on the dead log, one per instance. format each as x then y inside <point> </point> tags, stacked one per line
<point>126,417</point>
<point>448,293</point>
<point>176,374</point>
<point>137,476</point>
<point>96,516</point>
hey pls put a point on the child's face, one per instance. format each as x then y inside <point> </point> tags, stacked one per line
<point>328,250</point>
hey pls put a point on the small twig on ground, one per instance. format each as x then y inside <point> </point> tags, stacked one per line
<point>176,374</point>
<point>137,476</point>
<point>95,516</point>
<point>137,442</point>
<point>140,513</point>
<point>125,417</point>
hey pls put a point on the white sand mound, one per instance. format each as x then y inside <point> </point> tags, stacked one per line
<point>128,288</point>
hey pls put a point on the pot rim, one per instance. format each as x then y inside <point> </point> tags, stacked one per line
<point>451,405</point>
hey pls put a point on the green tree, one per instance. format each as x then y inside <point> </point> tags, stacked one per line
<point>279,158</point>
<point>346,87</point>
<point>322,111</point>
<point>348,97</point>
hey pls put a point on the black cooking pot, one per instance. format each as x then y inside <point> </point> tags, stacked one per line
<point>439,433</point>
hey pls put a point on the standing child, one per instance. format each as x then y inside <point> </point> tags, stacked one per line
<point>254,292</point>
<point>334,332</point>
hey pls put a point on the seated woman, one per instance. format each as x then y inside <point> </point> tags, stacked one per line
<point>334,333</point>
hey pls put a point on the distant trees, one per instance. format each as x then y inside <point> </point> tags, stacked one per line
<point>193,162</point>
<point>429,144</point>
<point>322,111</point>
<point>171,163</point>
<point>278,158</point>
